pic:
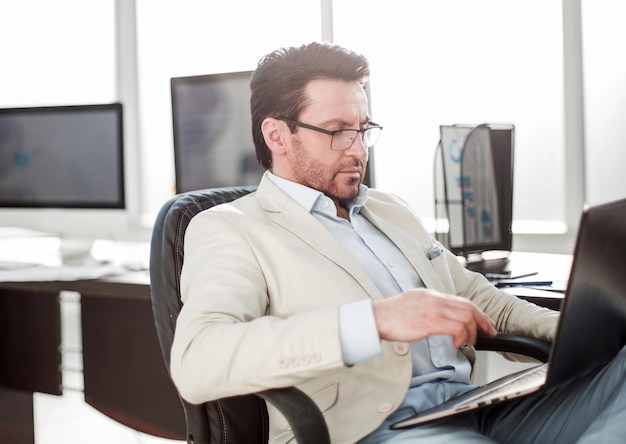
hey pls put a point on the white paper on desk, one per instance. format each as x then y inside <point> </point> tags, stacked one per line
<point>534,292</point>
<point>45,273</point>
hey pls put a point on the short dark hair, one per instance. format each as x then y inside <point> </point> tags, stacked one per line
<point>279,81</point>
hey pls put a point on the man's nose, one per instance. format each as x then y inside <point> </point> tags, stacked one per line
<point>358,148</point>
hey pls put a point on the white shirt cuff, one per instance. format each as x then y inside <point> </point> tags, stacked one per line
<point>358,333</point>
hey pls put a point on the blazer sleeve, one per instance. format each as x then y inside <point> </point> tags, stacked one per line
<point>511,314</point>
<point>229,340</point>
<point>446,274</point>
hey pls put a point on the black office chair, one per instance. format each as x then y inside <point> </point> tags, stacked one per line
<point>243,419</point>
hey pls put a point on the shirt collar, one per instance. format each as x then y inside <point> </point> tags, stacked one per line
<point>312,199</point>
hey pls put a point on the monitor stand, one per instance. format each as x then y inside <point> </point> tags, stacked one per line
<point>489,262</point>
<point>76,250</point>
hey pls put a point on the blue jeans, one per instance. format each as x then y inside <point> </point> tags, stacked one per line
<point>588,410</point>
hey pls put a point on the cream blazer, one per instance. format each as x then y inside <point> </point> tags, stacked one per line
<point>262,282</point>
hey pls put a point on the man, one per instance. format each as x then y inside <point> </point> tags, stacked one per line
<point>316,281</point>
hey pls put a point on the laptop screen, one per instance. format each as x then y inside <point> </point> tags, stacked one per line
<point>593,321</point>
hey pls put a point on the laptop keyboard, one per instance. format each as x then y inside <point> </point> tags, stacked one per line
<point>534,378</point>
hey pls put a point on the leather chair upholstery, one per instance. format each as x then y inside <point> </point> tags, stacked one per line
<point>241,419</point>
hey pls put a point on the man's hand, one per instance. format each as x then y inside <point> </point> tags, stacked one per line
<point>417,314</point>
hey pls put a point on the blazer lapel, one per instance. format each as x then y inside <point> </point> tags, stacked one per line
<point>291,216</point>
<point>413,249</point>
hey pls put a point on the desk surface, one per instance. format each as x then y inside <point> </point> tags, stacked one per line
<point>127,262</point>
<point>536,267</point>
<point>48,251</point>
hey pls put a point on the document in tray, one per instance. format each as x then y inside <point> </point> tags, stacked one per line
<point>42,273</point>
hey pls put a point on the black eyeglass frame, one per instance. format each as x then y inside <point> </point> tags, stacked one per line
<point>371,125</point>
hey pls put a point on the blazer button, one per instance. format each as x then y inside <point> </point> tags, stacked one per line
<point>385,407</point>
<point>400,348</point>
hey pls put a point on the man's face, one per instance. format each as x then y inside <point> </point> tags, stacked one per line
<point>332,105</point>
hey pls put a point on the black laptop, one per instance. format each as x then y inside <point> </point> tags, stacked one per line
<point>592,326</point>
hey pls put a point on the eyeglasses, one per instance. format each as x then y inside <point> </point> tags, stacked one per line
<point>343,139</point>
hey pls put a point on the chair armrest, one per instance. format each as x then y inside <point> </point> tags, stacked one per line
<point>301,412</point>
<point>531,347</point>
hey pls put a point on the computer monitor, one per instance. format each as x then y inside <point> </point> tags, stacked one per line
<point>213,131</point>
<point>474,189</point>
<point>62,170</point>
<point>212,126</point>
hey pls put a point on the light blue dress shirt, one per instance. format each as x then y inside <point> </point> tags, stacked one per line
<point>440,371</point>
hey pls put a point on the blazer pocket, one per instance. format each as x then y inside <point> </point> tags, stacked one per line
<point>326,396</point>
<point>440,265</point>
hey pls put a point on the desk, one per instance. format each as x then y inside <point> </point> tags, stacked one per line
<point>548,267</point>
<point>30,337</point>
<point>124,374</point>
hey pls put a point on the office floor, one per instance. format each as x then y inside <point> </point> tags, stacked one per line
<point>68,419</point>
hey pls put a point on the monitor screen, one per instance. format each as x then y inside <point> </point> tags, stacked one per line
<point>62,157</point>
<point>213,144</point>
<point>62,174</point>
<point>474,187</point>
<point>212,131</point>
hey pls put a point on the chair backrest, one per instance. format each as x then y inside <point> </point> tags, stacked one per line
<point>243,419</point>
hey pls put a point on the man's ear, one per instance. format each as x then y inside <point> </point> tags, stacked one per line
<point>274,134</point>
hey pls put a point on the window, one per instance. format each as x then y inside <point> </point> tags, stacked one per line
<point>194,37</point>
<point>604,61</point>
<point>57,53</point>
<point>433,63</point>
<point>454,61</point>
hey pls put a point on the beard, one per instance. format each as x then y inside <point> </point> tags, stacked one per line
<point>316,175</point>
